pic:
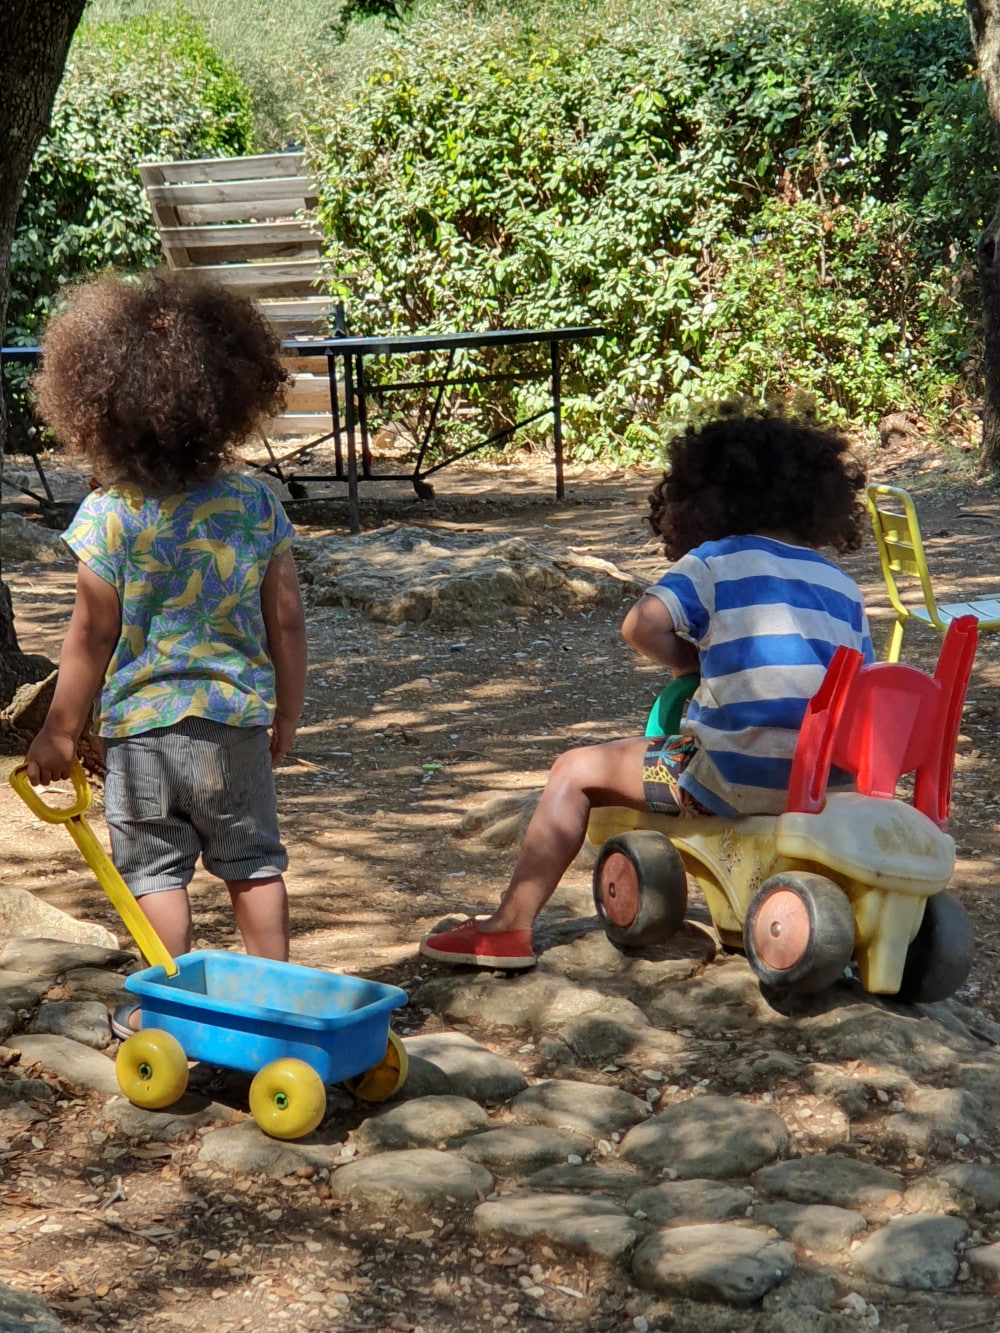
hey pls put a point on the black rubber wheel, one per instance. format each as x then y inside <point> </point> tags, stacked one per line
<point>798,933</point>
<point>640,889</point>
<point>939,959</point>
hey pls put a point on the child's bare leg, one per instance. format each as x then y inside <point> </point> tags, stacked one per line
<point>593,775</point>
<point>261,910</point>
<point>169,913</point>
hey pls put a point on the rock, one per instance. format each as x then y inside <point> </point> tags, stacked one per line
<point>21,990</point>
<point>936,1115</point>
<point>453,1064</point>
<point>95,983</point>
<point>52,956</point>
<point>907,1042</point>
<point>22,914</point>
<point>84,1021</point>
<point>20,539</point>
<point>520,1149</point>
<point>984,1263</point>
<point>588,1177</point>
<point>19,1311</point>
<point>717,1137</point>
<point>590,1108</point>
<point>816,1226</point>
<point>832,1179</point>
<point>583,1224</point>
<point>690,1201</point>
<point>725,997</point>
<point>913,1252</point>
<point>426,1122</point>
<point>14,1090</point>
<point>245,1149</point>
<point>413,1178</point>
<point>80,1066</point>
<point>713,1262</point>
<point>400,573</point>
<point>174,1125</point>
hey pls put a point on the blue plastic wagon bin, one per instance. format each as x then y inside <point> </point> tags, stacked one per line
<point>244,1012</point>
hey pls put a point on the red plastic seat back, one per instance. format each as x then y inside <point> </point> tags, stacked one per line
<point>878,722</point>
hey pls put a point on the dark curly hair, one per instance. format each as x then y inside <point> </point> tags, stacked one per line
<point>156,381</point>
<point>759,474</point>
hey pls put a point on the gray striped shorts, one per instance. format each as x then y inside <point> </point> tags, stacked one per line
<point>196,788</point>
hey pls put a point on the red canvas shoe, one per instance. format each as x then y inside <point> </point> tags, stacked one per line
<point>510,949</point>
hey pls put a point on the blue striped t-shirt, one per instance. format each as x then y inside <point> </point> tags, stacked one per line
<point>766,618</point>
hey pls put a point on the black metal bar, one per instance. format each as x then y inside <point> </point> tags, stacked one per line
<point>353,508</point>
<point>557,440</point>
<point>396,385</point>
<point>492,439</point>
<point>431,423</point>
<point>366,449</point>
<point>338,451</point>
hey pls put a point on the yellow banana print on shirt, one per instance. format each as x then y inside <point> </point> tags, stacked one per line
<point>221,552</point>
<point>114,532</point>
<point>190,594</point>
<point>135,637</point>
<point>211,507</point>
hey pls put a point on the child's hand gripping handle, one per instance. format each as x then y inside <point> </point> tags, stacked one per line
<point>150,944</point>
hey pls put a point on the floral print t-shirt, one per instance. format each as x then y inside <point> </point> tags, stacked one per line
<point>188,570</point>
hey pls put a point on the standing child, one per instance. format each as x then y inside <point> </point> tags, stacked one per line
<point>751,607</point>
<point>188,620</point>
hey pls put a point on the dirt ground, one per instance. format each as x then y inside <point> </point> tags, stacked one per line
<point>406,729</point>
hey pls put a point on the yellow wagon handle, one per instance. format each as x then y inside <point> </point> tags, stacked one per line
<point>136,923</point>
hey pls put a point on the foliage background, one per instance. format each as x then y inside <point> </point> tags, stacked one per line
<point>763,201</point>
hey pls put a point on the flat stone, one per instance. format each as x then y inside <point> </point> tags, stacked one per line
<point>453,1064</point>
<point>23,916</point>
<point>847,1091</point>
<point>690,1201</point>
<point>591,1108</point>
<point>14,1090</point>
<point>21,1312</point>
<point>832,1179</point>
<point>979,1182</point>
<point>51,957</point>
<point>8,1022</point>
<point>913,1044</point>
<point>174,1125</point>
<point>918,1253</point>
<point>717,1137</point>
<point>426,1122</point>
<point>538,1002</point>
<point>21,990</point>
<point>816,1226</point>
<point>713,1262</point>
<point>522,1148</point>
<point>584,1224</point>
<point>247,1150</point>
<point>725,997</point>
<point>81,1066</point>
<point>935,1115</point>
<point>85,1021</point>
<point>96,983</point>
<point>984,1262</point>
<point>588,1177</point>
<point>416,1177</point>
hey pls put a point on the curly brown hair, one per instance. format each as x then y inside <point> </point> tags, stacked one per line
<point>759,474</point>
<point>156,381</point>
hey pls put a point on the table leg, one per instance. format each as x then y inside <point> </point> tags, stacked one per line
<point>557,419</point>
<point>353,508</point>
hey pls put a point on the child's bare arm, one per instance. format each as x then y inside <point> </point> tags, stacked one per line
<point>285,622</point>
<point>93,632</point>
<point>649,629</point>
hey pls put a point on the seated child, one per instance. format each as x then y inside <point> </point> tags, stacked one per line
<point>188,625</point>
<point>753,608</point>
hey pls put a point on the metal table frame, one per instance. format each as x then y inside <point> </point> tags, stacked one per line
<point>48,500</point>
<point>350,431</point>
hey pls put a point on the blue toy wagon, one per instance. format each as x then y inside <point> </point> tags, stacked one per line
<point>296,1029</point>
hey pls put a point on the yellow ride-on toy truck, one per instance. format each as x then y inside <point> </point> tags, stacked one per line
<point>839,878</point>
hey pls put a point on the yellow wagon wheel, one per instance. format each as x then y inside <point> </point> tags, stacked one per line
<point>287,1099</point>
<point>385,1078</point>
<point>152,1069</point>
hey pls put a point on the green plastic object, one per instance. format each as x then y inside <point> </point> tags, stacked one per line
<point>668,710</point>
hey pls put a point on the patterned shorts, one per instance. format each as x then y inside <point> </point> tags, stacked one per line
<point>662,767</point>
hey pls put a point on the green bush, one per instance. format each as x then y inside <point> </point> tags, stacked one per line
<point>146,90</point>
<point>751,200</point>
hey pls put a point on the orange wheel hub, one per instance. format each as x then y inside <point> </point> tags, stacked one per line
<point>782,931</point>
<point>620,889</point>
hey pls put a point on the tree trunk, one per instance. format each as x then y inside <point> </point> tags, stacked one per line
<point>35,36</point>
